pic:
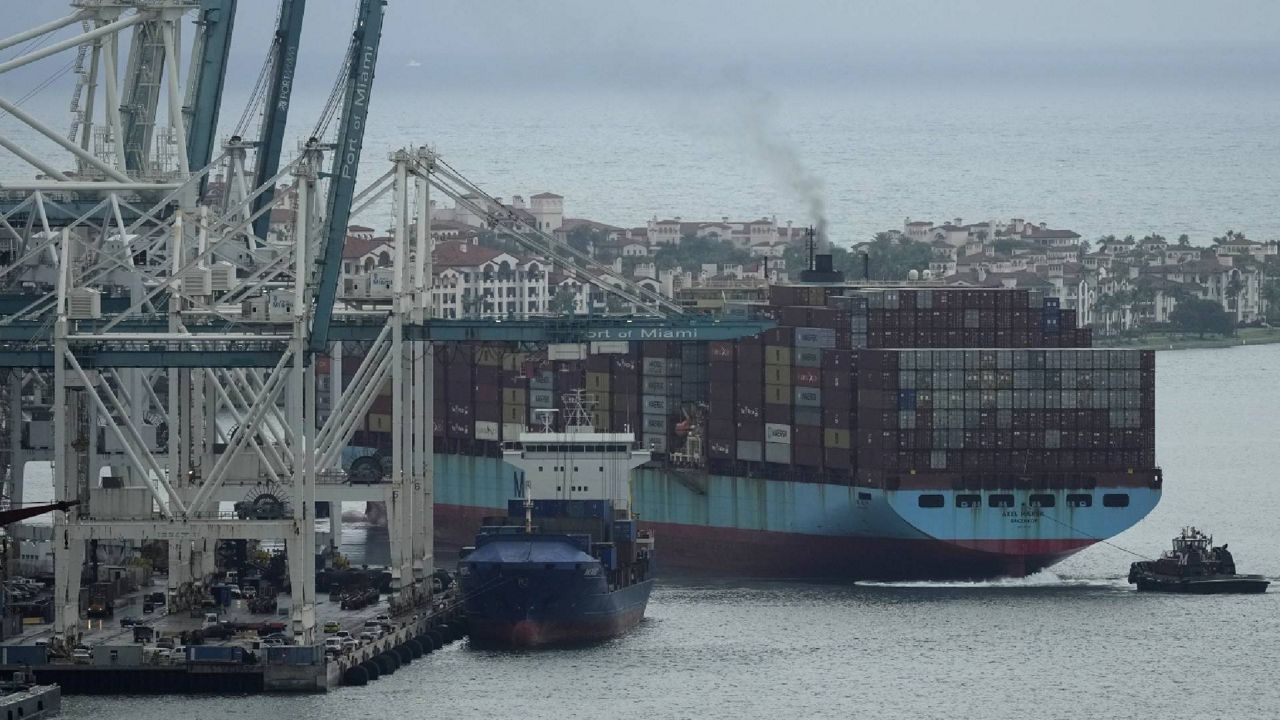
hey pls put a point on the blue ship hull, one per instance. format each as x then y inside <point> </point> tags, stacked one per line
<point>754,527</point>
<point>534,591</point>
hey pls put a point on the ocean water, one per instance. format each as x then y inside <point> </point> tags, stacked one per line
<point>1128,160</point>
<point>1120,160</point>
<point>1073,642</point>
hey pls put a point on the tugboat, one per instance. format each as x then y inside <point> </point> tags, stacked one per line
<point>567,564</point>
<point>1194,565</point>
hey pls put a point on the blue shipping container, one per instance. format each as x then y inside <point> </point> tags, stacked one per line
<point>906,400</point>
<point>624,530</point>
<point>24,655</point>
<point>608,555</point>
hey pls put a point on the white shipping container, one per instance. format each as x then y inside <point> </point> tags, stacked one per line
<point>611,347</point>
<point>486,430</point>
<point>659,366</point>
<point>777,433</point>
<point>809,337</point>
<point>566,351</point>
<point>777,453</point>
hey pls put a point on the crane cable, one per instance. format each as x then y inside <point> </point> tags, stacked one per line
<point>32,45</point>
<point>589,265</point>
<point>258,94</point>
<point>339,85</point>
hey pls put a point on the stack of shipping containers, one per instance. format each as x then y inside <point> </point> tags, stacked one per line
<point>854,385</point>
<point>660,383</point>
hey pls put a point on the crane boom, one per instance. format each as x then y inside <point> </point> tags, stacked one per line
<point>276,113</point>
<point>216,21</point>
<point>346,162</point>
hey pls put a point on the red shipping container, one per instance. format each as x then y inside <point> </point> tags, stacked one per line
<point>775,413</point>
<point>806,455</point>
<point>807,377</point>
<point>837,459</point>
<point>487,394</point>
<point>488,412</point>
<point>720,350</point>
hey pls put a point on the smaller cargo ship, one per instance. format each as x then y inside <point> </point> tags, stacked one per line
<point>567,564</point>
<point>1194,565</point>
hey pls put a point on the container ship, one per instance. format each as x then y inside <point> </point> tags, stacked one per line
<point>876,433</point>
<point>566,564</point>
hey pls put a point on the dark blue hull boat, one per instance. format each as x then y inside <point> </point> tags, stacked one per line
<point>534,590</point>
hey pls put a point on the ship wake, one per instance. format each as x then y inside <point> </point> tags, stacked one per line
<point>1042,579</point>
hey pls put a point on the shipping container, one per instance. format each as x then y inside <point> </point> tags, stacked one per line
<point>777,433</point>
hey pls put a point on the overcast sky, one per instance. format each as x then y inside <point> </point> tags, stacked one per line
<point>667,43</point>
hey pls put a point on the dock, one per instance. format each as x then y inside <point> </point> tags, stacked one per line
<point>118,665</point>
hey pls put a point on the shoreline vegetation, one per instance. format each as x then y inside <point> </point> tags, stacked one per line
<point>1191,341</point>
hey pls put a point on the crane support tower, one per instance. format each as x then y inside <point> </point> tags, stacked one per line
<point>160,351</point>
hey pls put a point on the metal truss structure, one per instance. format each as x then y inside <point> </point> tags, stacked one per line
<point>158,349</point>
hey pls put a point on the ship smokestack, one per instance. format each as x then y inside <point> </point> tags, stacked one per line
<point>821,267</point>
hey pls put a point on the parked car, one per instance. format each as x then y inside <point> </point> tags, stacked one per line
<point>368,636</point>
<point>349,644</point>
<point>332,626</point>
<point>128,621</point>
